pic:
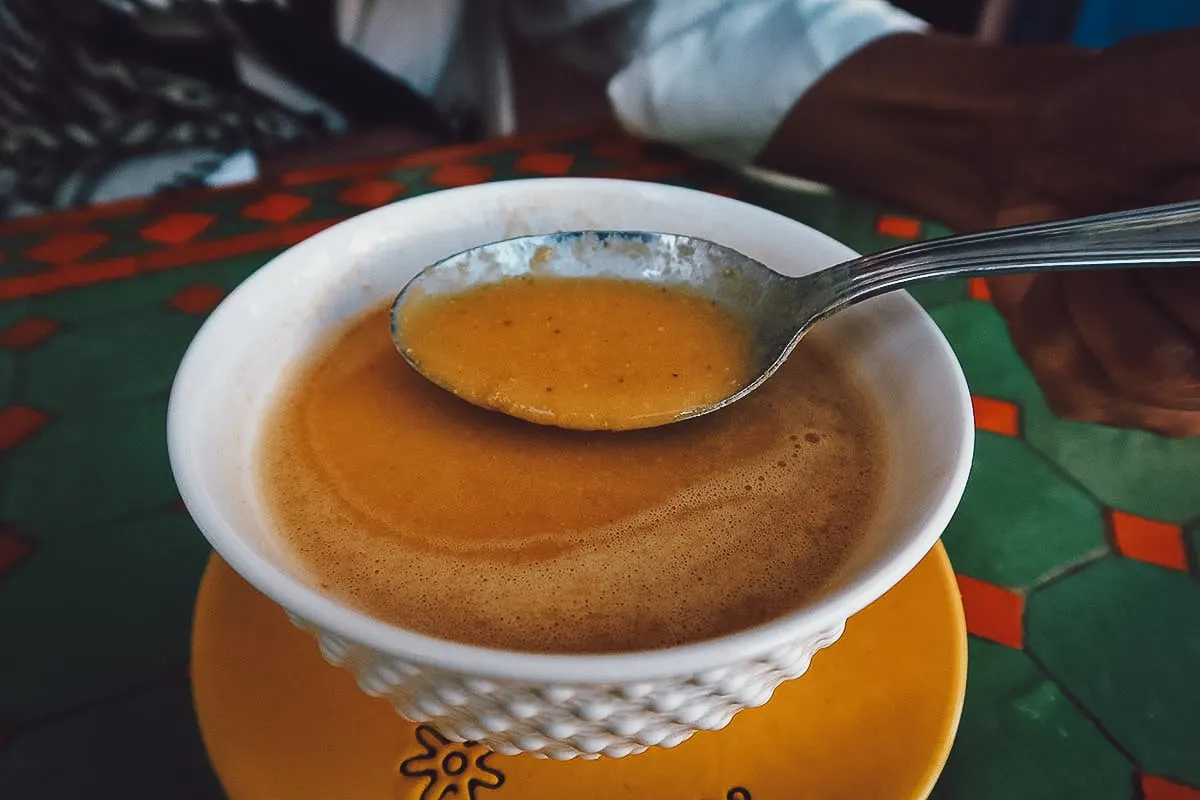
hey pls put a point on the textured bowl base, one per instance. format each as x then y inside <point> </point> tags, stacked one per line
<point>874,717</point>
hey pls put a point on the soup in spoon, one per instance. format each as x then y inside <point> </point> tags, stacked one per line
<point>583,353</point>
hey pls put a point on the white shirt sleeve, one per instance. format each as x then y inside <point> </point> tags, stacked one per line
<point>718,76</point>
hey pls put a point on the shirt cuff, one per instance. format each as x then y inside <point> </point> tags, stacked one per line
<point>720,85</point>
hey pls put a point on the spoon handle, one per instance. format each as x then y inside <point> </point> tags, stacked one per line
<point>1161,235</point>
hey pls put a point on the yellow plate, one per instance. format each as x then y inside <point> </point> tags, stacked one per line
<point>872,719</point>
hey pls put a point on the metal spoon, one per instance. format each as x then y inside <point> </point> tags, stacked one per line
<point>779,309</point>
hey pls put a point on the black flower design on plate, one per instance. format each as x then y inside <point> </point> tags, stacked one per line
<point>451,769</point>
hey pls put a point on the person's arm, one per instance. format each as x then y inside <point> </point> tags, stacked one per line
<point>931,123</point>
<point>980,135</point>
<point>717,76</point>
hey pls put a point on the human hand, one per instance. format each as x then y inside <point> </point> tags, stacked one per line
<point>1119,347</point>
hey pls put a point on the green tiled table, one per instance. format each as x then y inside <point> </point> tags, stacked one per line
<point>1077,547</point>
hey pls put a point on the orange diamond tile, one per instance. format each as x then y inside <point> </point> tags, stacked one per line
<point>371,193</point>
<point>1149,540</point>
<point>460,174</point>
<point>996,416</point>
<point>977,289</point>
<point>197,299</point>
<point>276,207</point>
<point>1155,788</point>
<point>546,163</point>
<point>13,548</point>
<point>66,247</point>
<point>176,228</point>
<point>18,422</point>
<point>27,332</point>
<point>899,227</point>
<point>992,612</point>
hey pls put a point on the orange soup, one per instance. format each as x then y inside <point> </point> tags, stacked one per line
<point>583,353</point>
<point>399,499</point>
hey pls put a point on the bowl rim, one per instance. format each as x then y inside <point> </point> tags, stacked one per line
<point>331,617</point>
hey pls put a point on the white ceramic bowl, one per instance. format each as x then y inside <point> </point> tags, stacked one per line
<point>557,706</point>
